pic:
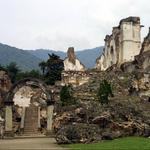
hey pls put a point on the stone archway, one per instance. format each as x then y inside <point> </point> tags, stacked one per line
<point>9,104</point>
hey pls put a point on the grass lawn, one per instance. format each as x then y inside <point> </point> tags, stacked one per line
<point>128,143</point>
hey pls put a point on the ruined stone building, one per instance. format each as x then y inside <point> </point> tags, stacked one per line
<point>141,61</point>
<point>74,71</point>
<point>122,45</point>
<point>71,63</point>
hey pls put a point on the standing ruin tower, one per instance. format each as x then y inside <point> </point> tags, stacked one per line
<point>122,45</point>
<point>130,39</point>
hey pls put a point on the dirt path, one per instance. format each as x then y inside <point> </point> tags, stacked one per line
<point>30,144</point>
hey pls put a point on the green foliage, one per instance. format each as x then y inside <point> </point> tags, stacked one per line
<point>52,69</point>
<point>66,96</point>
<point>32,74</point>
<point>16,74</point>
<point>2,67</point>
<point>104,91</point>
<point>12,70</point>
<point>43,66</point>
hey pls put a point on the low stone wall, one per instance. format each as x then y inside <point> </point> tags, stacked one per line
<point>75,78</point>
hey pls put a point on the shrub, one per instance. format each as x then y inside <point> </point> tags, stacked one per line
<point>66,96</point>
<point>104,91</point>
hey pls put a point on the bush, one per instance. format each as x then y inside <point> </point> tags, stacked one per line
<point>104,91</point>
<point>66,96</point>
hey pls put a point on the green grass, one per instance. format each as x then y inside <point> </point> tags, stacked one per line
<point>129,143</point>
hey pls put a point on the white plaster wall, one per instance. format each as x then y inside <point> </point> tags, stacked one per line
<point>130,50</point>
<point>130,45</point>
<point>22,96</point>
<point>131,41</point>
<point>69,66</point>
<point>100,63</point>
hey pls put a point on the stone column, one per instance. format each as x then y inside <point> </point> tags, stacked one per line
<point>50,108</point>
<point>39,116</point>
<point>8,120</point>
<point>22,118</point>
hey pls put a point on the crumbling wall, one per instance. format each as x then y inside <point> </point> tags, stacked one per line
<point>71,63</point>
<point>122,45</point>
<point>146,43</point>
<point>5,85</point>
<point>75,78</point>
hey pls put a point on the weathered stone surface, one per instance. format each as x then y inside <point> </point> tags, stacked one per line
<point>125,115</point>
<point>146,43</point>
<point>75,78</point>
<point>71,63</point>
<point>71,55</point>
<point>121,46</point>
<point>78,133</point>
<point>103,120</point>
<point>5,85</point>
<point>5,82</point>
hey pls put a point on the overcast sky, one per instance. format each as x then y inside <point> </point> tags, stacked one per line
<point>58,24</point>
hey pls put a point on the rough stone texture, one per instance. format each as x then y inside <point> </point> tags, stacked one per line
<point>126,114</point>
<point>71,55</point>
<point>146,43</point>
<point>142,61</point>
<point>122,45</point>
<point>71,63</point>
<point>5,85</point>
<point>75,78</point>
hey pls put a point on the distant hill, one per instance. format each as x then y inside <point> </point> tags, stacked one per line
<point>23,58</point>
<point>29,59</point>
<point>87,56</point>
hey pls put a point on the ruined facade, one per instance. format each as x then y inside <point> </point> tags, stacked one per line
<point>122,45</point>
<point>141,62</point>
<point>74,71</point>
<point>71,63</point>
<point>75,78</point>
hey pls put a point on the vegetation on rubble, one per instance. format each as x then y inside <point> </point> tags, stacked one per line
<point>66,97</point>
<point>104,91</point>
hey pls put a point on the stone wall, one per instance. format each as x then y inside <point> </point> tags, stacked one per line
<point>122,45</point>
<point>71,63</point>
<point>75,78</point>
<point>5,85</point>
<point>141,62</point>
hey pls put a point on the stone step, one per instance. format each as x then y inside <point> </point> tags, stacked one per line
<point>30,130</point>
<point>31,121</point>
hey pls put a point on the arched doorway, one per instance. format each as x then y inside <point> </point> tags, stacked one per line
<point>30,120</point>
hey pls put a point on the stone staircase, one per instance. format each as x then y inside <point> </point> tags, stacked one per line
<point>31,121</point>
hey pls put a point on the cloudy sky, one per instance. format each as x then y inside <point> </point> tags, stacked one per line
<point>58,24</point>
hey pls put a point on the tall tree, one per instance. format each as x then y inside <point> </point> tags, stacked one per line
<point>43,66</point>
<point>13,70</point>
<point>52,69</point>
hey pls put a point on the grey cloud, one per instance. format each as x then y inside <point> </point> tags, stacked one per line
<point>57,24</point>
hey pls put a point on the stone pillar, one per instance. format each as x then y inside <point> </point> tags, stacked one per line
<point>22,118</point>
<point>50,108</point>
<point>39,117</point>
<point>8,120</point>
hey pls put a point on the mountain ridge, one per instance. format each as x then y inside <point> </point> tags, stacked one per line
<point>29,59</point>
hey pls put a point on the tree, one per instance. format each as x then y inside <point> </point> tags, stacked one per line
<point>104,92</point>
<point>13,70</point>
<point>54,68</point>
<point>43,66</point>
<point>32,73</point>
<point>66,96</point>
<point>2,67</point>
